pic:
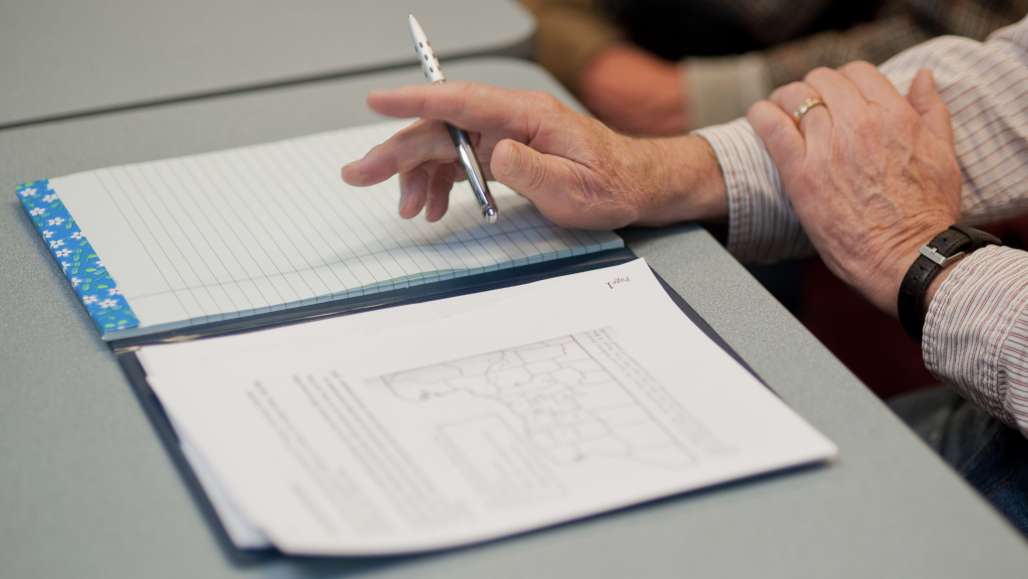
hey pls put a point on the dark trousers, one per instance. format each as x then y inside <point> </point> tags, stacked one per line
<point>992,456</point>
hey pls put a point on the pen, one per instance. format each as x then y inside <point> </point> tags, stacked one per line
<point>430,66</point>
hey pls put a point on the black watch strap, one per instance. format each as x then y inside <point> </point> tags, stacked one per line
<point>947,247</point>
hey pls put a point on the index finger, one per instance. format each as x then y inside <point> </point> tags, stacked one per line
<point>475,107</point>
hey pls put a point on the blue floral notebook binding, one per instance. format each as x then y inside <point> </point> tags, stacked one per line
<point>69,247</point>
<point>198,241</point>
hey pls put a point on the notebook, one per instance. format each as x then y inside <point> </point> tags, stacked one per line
<point>197,240</point>
<point>467,381</point>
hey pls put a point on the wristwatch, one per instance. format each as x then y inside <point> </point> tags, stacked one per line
<point>952,244</point>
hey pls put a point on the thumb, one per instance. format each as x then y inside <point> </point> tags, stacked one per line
<point>539,177</point>
<point>927,102</point>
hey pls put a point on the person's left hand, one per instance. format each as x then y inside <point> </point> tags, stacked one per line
<point>871,175</point>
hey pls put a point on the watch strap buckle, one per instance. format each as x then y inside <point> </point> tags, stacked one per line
<point>939,259</point>
<point>932,259</point>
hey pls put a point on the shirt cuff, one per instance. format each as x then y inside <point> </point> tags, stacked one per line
<point>721,89</point>
<point>762,226</point>
<point>976,332</point>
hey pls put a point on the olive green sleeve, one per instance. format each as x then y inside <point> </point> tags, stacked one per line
<point>569,34</point>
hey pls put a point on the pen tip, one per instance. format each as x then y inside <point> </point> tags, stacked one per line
<point>490,214</point>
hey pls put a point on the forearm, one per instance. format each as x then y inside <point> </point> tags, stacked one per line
<point>976,332</point>
<point>982,85</point>
<point>685,182</point>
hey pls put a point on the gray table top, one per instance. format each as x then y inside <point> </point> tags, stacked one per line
<point>87,490</point>
<point>60,58</point>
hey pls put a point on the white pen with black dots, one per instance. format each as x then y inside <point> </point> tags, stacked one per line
<point>430,66</point>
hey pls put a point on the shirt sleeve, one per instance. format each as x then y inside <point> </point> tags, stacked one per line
<point>722,88</point>
<point>976,332</point>
<point>983,87</point>
<point>762,226</point>
<point>874,42</point>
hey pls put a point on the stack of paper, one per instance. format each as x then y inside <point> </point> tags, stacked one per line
<point>462,420</point>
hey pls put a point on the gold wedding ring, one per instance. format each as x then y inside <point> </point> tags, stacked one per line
<point>805,107</point>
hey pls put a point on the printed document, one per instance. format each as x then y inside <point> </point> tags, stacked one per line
<point>456,421</point>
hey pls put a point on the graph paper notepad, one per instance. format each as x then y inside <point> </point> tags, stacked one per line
<point>170,244</point>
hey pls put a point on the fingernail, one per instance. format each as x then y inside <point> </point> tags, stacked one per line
<point>433,215</point>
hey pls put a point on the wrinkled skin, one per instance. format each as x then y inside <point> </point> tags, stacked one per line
<point>872,175</point>
<point>574,169</point>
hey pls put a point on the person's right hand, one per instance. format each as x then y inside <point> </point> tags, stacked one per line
<point>574,169</point>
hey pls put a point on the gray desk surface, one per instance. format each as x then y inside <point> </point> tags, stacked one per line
<point>87,490</point>
<point>60,58</point>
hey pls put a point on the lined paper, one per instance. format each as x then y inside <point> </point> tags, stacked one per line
<point>256,229</point>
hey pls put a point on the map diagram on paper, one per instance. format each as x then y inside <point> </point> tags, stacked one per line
<point>576,397</point>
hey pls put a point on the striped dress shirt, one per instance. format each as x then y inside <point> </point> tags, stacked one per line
<point>976,331</point>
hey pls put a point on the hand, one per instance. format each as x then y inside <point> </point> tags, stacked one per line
<point>635,92</point>
<point>872,175</point>
<point>576,171</point>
